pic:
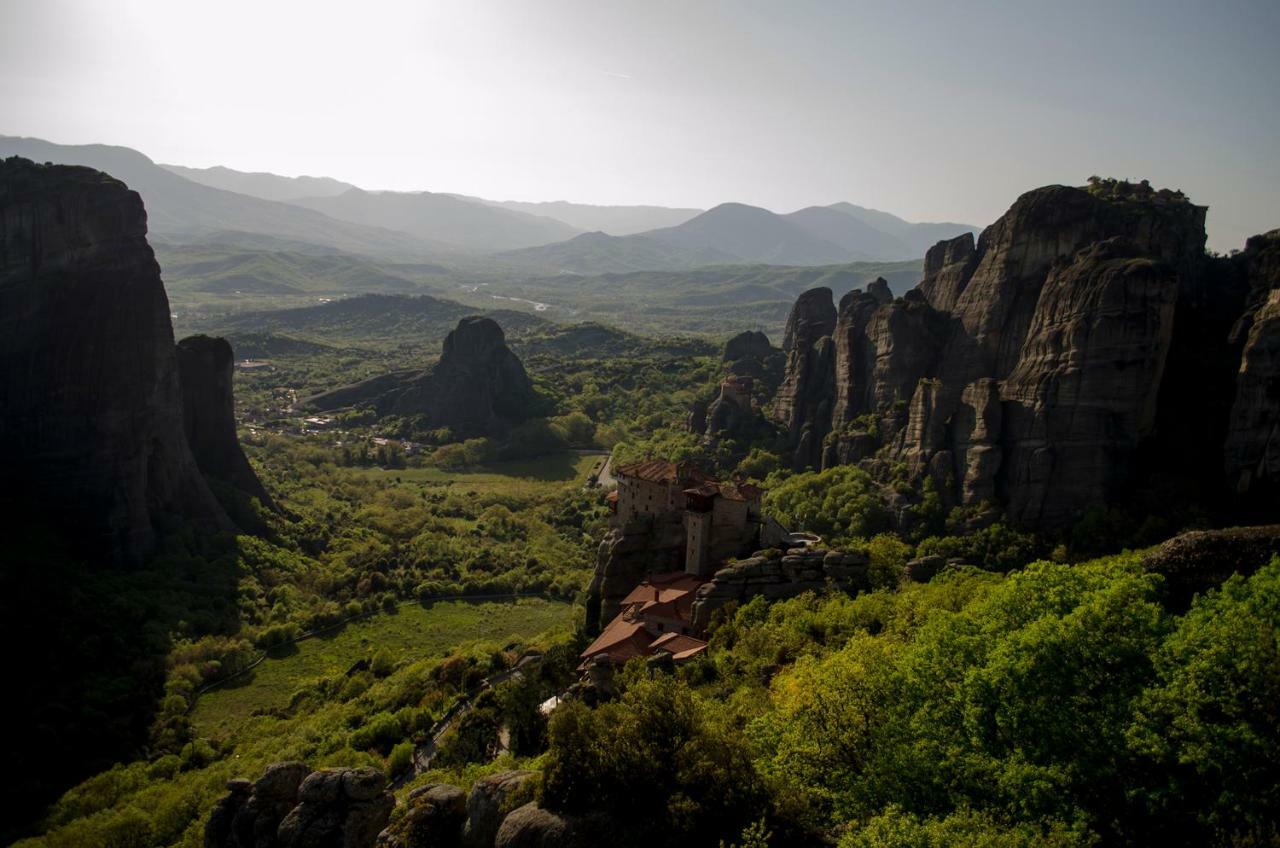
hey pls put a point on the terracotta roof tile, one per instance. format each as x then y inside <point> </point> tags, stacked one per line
<point>663,471</point>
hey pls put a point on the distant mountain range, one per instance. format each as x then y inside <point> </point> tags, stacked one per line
<point>614,220</point>
<point>179,209</point>
<point>734,233</point>
<point>442,217</point>
<point>590,242</point>
<point>259,184</point>
<point>314,215</point>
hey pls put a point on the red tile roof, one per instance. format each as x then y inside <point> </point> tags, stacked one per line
<point>663,597</point>
<point>680,646</point>
<point>663,471</point>
<point>621,640</point>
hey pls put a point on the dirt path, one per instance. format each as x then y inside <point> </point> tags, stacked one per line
<point>423,754</point>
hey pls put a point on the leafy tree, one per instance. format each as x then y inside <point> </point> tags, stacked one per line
<point>660,754</point>
<point>1212,718</point>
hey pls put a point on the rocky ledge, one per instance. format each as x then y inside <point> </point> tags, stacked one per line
<point>775,575</point>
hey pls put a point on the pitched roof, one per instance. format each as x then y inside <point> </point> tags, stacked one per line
<point>665,588</point>
<point>679,645</point>
<point>666,596</point>
<point>663,471</point>
<point>621,640</point>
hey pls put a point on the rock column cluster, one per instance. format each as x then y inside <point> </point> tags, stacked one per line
<point>1046,365</point>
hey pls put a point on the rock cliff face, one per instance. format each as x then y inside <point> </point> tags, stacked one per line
<point>206,367</point>
<point>1046,365</point>
<point>1253,439</point>
<point>803,402</point>
<point>92,423</point>
<point>478,387</point>
<point>625,557</point>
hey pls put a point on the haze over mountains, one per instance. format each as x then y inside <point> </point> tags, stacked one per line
<point>181,210</point>
<point>196,203</point>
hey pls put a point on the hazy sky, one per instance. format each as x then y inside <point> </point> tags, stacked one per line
<point>932,110</point>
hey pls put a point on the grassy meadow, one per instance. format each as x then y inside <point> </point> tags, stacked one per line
<point>414,632</point>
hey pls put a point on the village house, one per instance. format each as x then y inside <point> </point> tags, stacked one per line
<point>656,617</point>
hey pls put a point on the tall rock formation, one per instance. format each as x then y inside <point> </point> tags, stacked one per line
<point>478,386</point>
<point>1052,365</point>
<point>1253,439</point>
<point>91,425</point>
<point>206,368</point>
<point>803,402</point>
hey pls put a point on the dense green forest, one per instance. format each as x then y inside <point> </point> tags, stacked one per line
<point>1060,705</point>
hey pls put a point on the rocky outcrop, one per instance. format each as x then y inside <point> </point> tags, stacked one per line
<point>948,266</point>
<point>205,368</point>
<point>811,318</point>
<point>1252,450</point>
<point>491,799</point>
<point>1048,366</point>
<point>531,826</point>
<point>92,425</point>
<point>625,557</point>
<point>338,807</point>
<point>1193,563</point>
<point>478,386</point>
<point>433,816</point>
<point>775,575</point>
<point>751,344</point>
<point>803,401</point>
<point>289,808</point>
<point>493,816</point>
<point>753,368</point>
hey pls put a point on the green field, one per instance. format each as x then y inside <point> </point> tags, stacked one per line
<point>520,476</point>
<point>415,631</point>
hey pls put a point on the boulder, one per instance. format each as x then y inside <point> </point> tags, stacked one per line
<point>433,817</point>
<point>925,568</point>
<point>531,826</point>
<point>491,799</point>
<point>344,808</point>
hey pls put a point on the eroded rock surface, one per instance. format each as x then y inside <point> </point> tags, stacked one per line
<point>1049,365</point>
<point>343,808</point>
<point>625,557</point>
<point>1252,450</point>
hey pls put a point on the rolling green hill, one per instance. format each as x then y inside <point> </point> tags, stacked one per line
<point>717,300</point>
<point>371,321</point>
